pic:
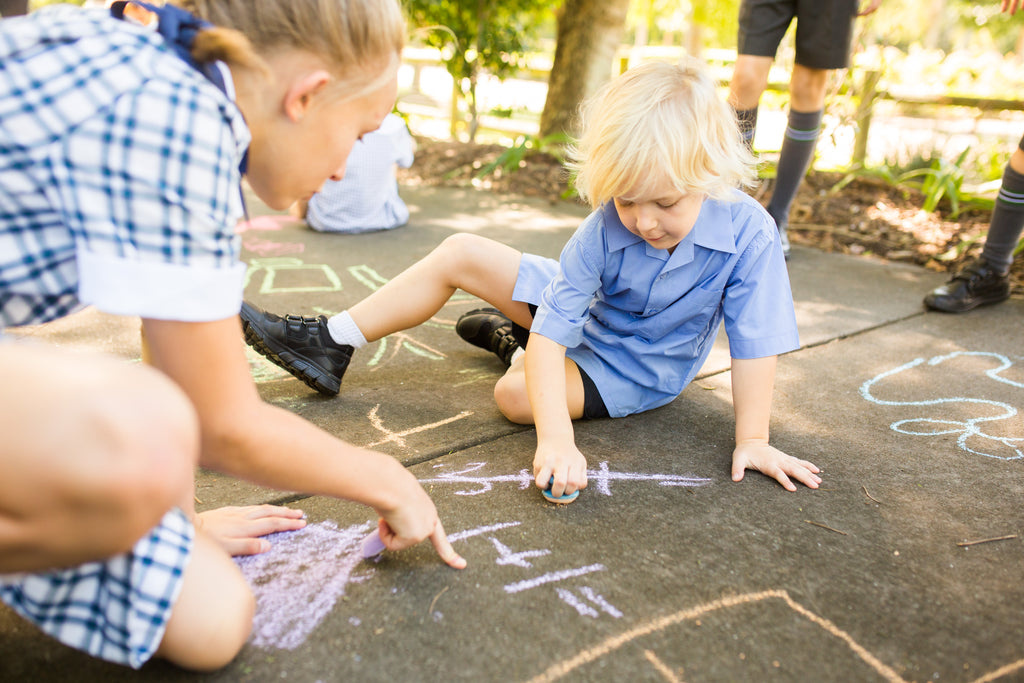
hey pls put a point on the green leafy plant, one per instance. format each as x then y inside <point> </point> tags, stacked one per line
<point>939,179</point>
<point>524,145</point>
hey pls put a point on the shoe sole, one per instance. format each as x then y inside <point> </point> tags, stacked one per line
<point>311,374</point>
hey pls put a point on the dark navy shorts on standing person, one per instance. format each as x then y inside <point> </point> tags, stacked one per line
<point>824,30</point>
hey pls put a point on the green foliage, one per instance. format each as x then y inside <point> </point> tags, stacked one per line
<point>474,35</point>
<point>938,179</point>
<point>510,160</point>
<point>665,22</point>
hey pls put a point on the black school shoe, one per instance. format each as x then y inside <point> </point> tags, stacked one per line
<point>976,285</point>
<point>490,330</point>
<point>302,346</point>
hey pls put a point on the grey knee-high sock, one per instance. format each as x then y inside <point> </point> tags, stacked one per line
<point>794,160</point>
<point>1007,221</point>
<point>747,119</point>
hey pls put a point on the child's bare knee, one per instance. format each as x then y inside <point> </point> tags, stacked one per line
<point>212,618</point>
<point>458,249</point>
<point>512,400</point>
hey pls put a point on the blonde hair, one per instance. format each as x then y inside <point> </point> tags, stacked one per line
<point>655,121</point>
<point>359,39</point>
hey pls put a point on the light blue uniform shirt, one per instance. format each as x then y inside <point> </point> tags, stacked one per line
<point>641,322</point>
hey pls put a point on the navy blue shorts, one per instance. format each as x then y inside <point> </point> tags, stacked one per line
<point>824,30</point>
<point>593,404</point>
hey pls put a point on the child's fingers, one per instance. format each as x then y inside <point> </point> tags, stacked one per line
<point>781,477</point>
<point>444,548</point>
<point>257,511</point>
<point>239,547</point>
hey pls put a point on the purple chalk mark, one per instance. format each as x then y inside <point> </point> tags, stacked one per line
<point>299,580</point>
<point>269,248</point>
<point>372,545</point>
<point>552,577</point>
<point>265,223</point>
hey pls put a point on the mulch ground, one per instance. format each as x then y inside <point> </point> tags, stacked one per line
<point>867,217</point>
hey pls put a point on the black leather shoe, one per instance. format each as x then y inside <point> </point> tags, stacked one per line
<point>490,330</point>
<point>302,346</point>
<point>976,285</point>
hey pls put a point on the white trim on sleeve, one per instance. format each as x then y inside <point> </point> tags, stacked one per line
<point>162,291</point>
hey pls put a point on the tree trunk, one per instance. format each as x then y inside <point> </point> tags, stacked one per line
<point>589,32</point>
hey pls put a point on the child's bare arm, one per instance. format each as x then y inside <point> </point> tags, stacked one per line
<point>752,383</point>
<point>557,455</point>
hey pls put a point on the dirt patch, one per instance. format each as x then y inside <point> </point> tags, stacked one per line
<point>867,218</point>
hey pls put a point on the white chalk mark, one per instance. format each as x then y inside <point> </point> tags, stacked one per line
<point>299,580</point>
<point>551,577</point>
<point>507,556</point>
<point>398,438</point>
<point>568,598</point>
<point>461,535</point>
<point>596,598</point>
<point>523,478</point>
<point>601,478</point>
<point>966,428</point>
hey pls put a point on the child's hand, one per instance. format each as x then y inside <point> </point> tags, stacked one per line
<point>237,529</point>
<point>414,520</point>
<point>768,460</point>
<point>564,462</point>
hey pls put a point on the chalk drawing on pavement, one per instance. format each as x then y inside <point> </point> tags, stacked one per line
<point>972,436</point>
<point>634,637</point>
<point>264,247</point>
<point>299,580</point>
<point>398,438</point>
<point>600,479</point>
<point>310,277</point>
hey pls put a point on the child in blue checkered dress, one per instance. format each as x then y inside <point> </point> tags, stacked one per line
<point>121,152</point>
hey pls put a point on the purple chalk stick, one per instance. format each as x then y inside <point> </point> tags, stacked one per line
<point>373,546</point>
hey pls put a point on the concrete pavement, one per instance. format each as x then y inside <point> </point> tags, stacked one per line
<point>663,569</point>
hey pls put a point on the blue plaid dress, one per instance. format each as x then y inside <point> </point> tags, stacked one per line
<point>119,188</point>
<point>119,180</point>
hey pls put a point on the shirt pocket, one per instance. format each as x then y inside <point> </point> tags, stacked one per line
<point>690,317</point>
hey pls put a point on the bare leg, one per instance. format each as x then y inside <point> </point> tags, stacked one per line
<point>474,264</point>
<point>807,88</point>
<point>95,452</point>
<point>514,402</point>
<point>212,617</point>
<point>749,79</point>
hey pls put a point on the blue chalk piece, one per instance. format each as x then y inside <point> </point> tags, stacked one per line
<point>373,546</point>
<point>564,499</point>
